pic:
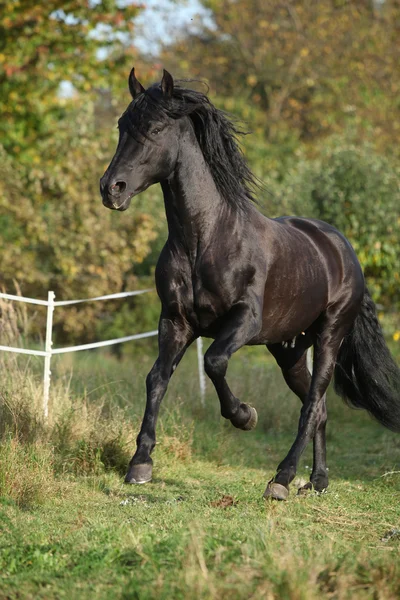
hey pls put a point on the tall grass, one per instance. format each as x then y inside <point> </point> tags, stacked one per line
<point>96,408</point>
<point>80,438</point>
<point>97,403</point>
<point>26,472</point>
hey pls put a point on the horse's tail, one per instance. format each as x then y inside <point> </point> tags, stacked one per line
<point>366,375</point>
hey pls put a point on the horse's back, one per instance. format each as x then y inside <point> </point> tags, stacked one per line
<point>313,266</point>
<point>329,243</point>
<point>312,227</point>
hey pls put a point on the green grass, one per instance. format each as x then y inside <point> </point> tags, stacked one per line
<point>69,527</point>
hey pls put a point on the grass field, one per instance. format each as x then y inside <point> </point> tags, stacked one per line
<point>69,527</point>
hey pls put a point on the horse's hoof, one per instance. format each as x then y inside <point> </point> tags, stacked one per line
<point>305,489</point>
<point>276,491</point>
<point>139,473</point>
<point>252,422</point>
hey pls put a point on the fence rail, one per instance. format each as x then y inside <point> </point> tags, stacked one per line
<point>49,351</point>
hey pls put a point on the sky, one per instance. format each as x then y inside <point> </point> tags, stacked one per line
<point>162,20</point>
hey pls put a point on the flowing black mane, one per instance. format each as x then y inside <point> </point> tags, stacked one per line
<point>216,133</point>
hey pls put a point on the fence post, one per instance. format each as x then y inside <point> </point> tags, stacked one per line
<point>47,358</point>
<point>310,360</point>
<point>202,377</point>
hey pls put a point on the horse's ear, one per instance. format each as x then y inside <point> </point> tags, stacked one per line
<point>135,87</point>
<point>167,84</point>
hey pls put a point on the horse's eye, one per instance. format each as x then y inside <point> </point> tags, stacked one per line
<point>156,131</point>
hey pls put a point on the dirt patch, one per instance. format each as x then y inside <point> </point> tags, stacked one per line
<point>224,502</point>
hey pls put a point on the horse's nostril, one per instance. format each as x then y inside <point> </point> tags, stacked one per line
<point>118,187</point>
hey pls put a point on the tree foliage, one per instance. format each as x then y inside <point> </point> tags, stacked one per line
<point>310,67</point>
<point>55,233</point>
<point>358,191</point>
<point>306,76</point>
<point>43,44</point>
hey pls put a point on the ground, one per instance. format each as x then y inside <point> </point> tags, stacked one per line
<point>201,529</point>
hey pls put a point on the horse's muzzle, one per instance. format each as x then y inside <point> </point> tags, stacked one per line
<point>116,203</point>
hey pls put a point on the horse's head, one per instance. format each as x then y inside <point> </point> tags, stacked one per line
<point>148,143</point>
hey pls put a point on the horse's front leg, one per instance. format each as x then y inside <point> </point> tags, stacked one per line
<point>241,324</point>
<point>174,337</point>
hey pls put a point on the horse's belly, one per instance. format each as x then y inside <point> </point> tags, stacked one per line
<point>286,318</point>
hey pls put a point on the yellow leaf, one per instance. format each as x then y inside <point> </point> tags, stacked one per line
<point>252,80</point>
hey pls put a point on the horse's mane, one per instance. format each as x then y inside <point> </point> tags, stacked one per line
<point>216,133</point>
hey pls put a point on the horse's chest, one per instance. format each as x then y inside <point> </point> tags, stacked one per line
<point>203,294</point>
<point>216,288</point>
<point>208,305</point>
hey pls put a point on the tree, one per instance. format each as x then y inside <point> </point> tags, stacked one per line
<point>311,67</point>
<point>55,233</point>
<point>43,44</point>
<point>358,191</point>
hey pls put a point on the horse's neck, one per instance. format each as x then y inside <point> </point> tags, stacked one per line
<point>193,204</point>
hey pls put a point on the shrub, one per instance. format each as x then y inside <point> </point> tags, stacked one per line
<point>358,191</point>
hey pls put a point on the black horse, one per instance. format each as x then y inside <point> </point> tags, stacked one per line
<point>229,273</point>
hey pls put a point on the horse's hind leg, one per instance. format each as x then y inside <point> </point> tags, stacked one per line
<point>298,378</point>
<point>326,347</point>
<point>241,326</point>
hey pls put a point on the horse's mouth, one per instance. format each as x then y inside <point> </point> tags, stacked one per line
<point>115,203</point>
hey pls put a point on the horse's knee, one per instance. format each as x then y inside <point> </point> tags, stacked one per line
<point>158,376</point>
<point>215,365</point>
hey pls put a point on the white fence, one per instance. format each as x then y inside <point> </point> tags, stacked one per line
<point>48,352</point>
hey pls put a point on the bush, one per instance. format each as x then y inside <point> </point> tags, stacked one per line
<point>358,191</point>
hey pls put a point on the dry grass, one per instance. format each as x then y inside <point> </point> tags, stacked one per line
<point>81,437</point>
<point>26,472</point>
